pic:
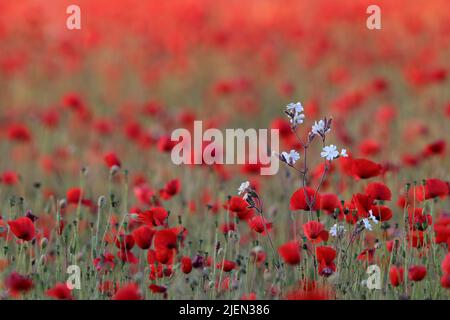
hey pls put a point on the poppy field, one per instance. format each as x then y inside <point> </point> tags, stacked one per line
<point>92,206</point>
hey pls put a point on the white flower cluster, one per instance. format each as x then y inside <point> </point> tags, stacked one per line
<point>320,128</point>
<point>366,221</point>
<point>243,188</point>
<point>337,230</point>
<point>291,157</point>
<point>330,152</point>
<point>295,113</point>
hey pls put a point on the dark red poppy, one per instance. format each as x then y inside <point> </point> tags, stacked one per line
<point>125,242</point>
<point>396,275</point>
<point>259,224</point>
<point>166,238</point>
<point>329,202</point>
<point>9,178</point>
<point>446,264</point>
<point>239,207</point>
<point>418,220</point>
<point>19,132</point>
<point>382,213</point>
<point>143,236</point>
<point>60,291</point>
<point>365,169</point>
<point>156,216</point>
<point>226,265</point>
<point>105,262</point>
<point>325,256</point>
<point>363,203</point>
<point>157,289</point>
<point>112,160</point>
<point>417,272</point>
<point>303,198</point>
<point>378,191</point>
<point>171,189</point>
<point>366,255</point>
<point>18,283</point>
<point>445,280</point>
<point>186,265</point>
<point>23,228</point>
<point>315,231</point>
<point>74,195</point>
<point>290,252</point>
<point>128,292</point>
<point>435,148</point>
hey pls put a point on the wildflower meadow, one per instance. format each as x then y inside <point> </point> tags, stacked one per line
<point>224,150</point>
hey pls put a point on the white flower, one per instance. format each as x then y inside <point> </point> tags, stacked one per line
<point>319,128</point>
<point>337,230</point>
<point>367,224</point>
<point>296,107</point>
<point>329,152</point>
<point>243,187</point>
<point>291,157</point>
<point>374,219</point>
<point>294,111</point>
<point>344,153</point>
<point>298,118</point>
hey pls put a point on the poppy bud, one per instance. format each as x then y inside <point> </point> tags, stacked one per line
<point>44,242</point>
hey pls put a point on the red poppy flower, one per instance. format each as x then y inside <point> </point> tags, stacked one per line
<point>417,273</point>
<point>23,228</point>
<point>363,203</point>
<point>260,224</point>
<point>290,252</point>
<point>144,193</point>
<point>9,178</point>
<point>105,262</point>
<point>156,216</point>
<point>157,289</point>
<point>112,160</point>
<point>74,195</point>
<point>329,202</point>
<point>18,283</point>
<point>435,148</point>
<point>433,188</point>
<point>418,220</point>
<point>239,207</point>
<point>382,213</point>
<point>165,144</point>
<point>378,191</point>
<point>165,255</point>
<point>396,275</point>
<point>446,264</point>
<point>143,236</point>
<point>166,238</point>
<point>186,265</point>
<point>227,227</point>
<point>125,242</point>
<point>60,291</point>
<point>128,292</point>
<point>19,132</point>
<point>303,197</point>
<point>127,256</point>
<point>365,169</point>
<point>325,256</point>
<point>366,255</point>
<point>445,281</point>
<point>171,189</point>
<point>315,231</point>
<point>226,265</point>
